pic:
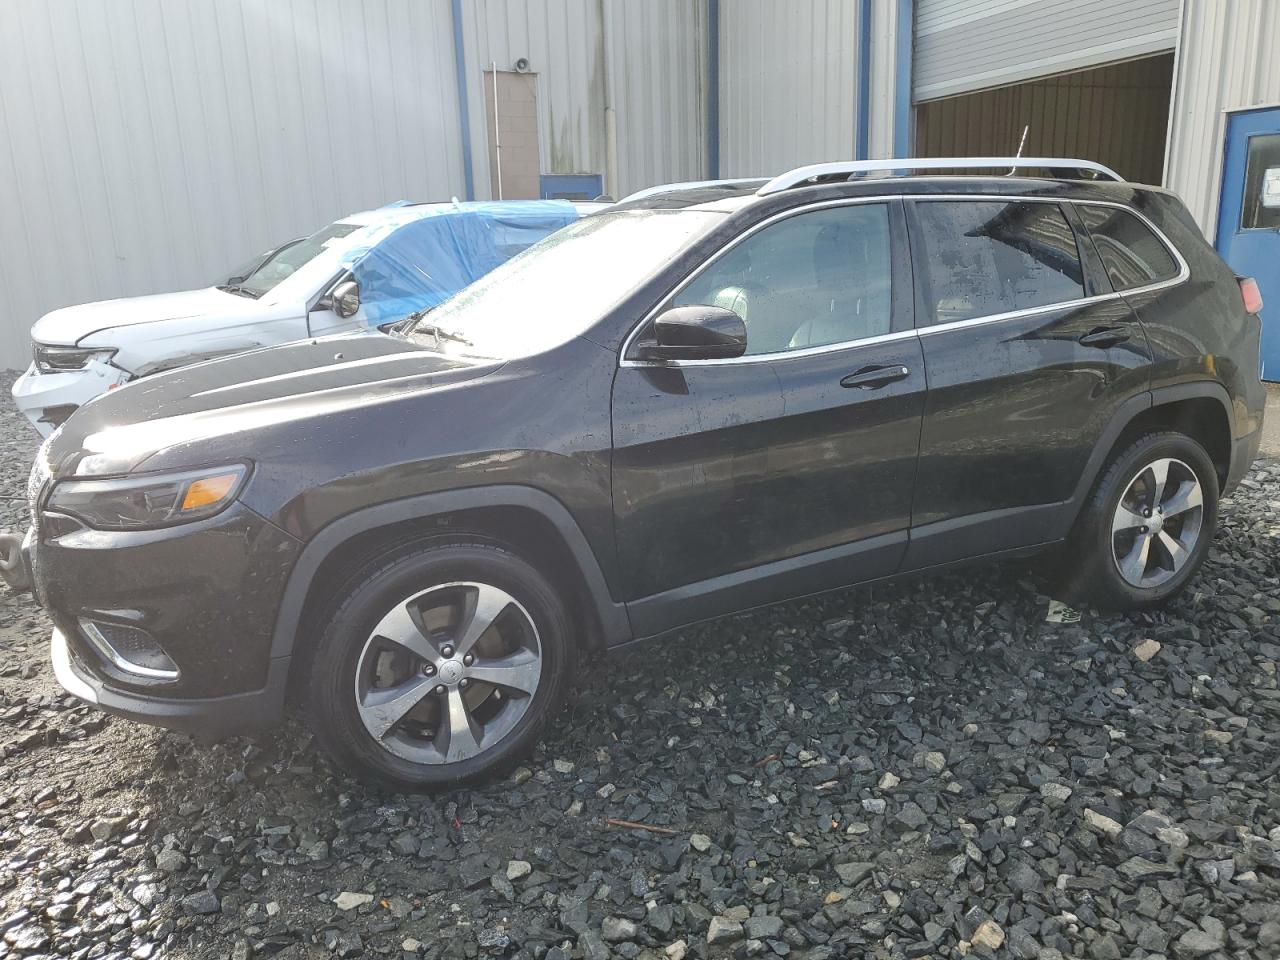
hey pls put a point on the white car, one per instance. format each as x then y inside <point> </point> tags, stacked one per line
<point>362,272</point>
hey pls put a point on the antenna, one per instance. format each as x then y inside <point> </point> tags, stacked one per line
<point>1021,143</point>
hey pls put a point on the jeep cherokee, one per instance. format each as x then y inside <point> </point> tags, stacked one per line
<point>713,397</point>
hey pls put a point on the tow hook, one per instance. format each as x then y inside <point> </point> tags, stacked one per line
<point>13,562</point>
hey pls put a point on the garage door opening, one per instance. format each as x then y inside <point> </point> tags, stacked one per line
<point>1117,114</point>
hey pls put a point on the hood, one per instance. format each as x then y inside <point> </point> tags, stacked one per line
<point>69,325</point>
<point>116,431</point>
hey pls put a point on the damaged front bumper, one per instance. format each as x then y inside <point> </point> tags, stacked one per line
<point>47,399</point>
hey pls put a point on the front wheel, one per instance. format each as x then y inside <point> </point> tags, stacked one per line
<point>440,666</point>
<point>1147,527</point>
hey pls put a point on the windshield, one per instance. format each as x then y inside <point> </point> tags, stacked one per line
<point>559,287</point>
<point>263,274</point>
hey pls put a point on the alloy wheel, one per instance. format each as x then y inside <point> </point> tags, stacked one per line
<point>448,672</point>
<point>1157,523</point>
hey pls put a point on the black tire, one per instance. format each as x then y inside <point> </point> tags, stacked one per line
<point>1090,571</point>
<point>381,587</point>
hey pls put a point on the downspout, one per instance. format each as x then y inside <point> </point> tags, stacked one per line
<point>713,89</point>
<point>862,136</point>
<point>610,113</point>
<point>464,112</point>
<point>905,37</point>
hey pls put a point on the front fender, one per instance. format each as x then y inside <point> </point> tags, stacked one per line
<point>612,616</point>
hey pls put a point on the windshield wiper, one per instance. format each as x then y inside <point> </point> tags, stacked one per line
<point>239,290</point>
<point>441,334</point>
<point>414,324</point>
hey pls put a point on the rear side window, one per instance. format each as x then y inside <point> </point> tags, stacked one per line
<point>987,257</point>
<point>1132,254</point>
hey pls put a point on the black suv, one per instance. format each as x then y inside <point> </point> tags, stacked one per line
<point>711,397</point>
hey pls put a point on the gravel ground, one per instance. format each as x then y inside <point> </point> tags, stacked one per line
<point>926,769</point>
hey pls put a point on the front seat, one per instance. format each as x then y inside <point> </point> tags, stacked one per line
<point>856,295</point>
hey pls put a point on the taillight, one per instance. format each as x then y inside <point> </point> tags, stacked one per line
<point>1251,294</point>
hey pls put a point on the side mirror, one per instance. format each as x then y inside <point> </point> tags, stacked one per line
<point>696,333</point>
<point>345,298</point>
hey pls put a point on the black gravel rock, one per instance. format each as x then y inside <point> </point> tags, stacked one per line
<point>919,769</point>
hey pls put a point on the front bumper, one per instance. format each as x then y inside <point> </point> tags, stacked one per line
<point>41,396</point>
<point>213,717</point>
<point>205,593</point>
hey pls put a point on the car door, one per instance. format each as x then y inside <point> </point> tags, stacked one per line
<point>788,470</point>
<point>1028,357</point>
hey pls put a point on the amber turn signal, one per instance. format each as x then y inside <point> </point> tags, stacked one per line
<point>207,491</point>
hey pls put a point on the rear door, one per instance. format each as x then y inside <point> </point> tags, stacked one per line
<point>789,470</point>
<point>1027,359</point>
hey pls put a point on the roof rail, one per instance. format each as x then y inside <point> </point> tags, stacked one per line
<point>801,175</point>
<point>690,185</point>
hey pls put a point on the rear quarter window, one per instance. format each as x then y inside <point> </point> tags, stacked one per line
<point>1132,254</point>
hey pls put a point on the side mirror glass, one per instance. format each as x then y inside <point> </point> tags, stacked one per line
<point>345,298</point>
<point>696,333</point>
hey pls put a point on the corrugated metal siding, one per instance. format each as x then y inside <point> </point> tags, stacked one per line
<point>964,45</point>
<point>562,41</point>
<point>1116,114</point>
<point>660,74</point>
<point>884,75</point>
<point>787,84</point>
<point>1226,61</point>
<point>146,145</point>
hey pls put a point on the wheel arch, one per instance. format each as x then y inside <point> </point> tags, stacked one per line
<point>1198,409</point>
<point>527,519</point>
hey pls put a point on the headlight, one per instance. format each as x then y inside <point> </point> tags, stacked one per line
<point>148,501</point>
<point>61,359</point>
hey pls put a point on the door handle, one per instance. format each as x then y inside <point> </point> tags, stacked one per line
<point>1104,337</point>
<point>872,378</point>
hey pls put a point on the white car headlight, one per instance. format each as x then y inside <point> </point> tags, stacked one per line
<point>61,359</point>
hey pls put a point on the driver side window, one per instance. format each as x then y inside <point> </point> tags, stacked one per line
<point>809,280</point>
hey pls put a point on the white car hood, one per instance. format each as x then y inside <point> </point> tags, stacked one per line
<point>69,325</point>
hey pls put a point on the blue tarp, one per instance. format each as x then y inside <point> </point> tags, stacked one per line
<point>420,256</point>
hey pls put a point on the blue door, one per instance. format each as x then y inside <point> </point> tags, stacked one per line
<point>1249,216</point>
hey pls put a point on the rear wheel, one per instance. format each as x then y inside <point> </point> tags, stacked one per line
<point>1148,525</point>
<point>440,666</point>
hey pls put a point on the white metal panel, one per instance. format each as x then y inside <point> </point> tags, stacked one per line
<point>1226,61</point>
<point>787,84</point>
<point>884,75</point>
<point>562,40</point>
<point>146,145</point>
<point>963,45</point>
<point>660,74</point>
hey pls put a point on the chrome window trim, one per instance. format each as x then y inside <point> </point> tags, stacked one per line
<point>1184,271</point>
<point>1184,274</point>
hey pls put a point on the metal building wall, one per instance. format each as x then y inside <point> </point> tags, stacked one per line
<point>147,144</point>
<point>658,52</point>
<point>1117,115</point>
<point>1226,61</point>
<point>788,78</point>
<point>963,45</point>
<point>660,73</point>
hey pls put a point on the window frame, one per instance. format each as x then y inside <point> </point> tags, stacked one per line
<point>1159,237</point>
<point>904,234</point>
<point>902,295</point>
<point>1074,220</point>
